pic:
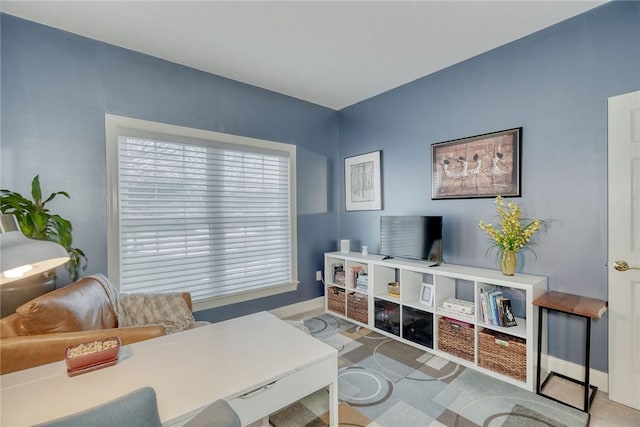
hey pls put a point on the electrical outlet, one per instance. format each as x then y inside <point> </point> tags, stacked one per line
<point>318,275</point>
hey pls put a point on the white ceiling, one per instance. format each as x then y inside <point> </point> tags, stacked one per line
<point>332,53</point>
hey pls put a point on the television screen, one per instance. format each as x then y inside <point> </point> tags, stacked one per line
<point>415,237</point>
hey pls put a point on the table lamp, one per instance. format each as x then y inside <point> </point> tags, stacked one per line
<point>22,257</point>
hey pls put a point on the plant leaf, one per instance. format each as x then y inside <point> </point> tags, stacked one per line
<point>36,192</point>
<point>40,222</point>
<point>26,225</point>
<point>14,203</point>
<point>53,196</point>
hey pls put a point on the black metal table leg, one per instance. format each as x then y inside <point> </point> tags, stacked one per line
<point>589,390</point>
<point>540,311</point>
<point>587,366</point>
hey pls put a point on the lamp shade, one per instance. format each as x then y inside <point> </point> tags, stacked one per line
<point>22,257</point>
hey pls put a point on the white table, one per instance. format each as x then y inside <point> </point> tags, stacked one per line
<point>258,363</point>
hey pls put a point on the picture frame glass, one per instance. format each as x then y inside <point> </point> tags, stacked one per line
<point>426,295</point>
<point>362,182</point>
<point>479,166</point>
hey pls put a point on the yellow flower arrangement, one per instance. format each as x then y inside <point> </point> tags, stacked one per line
<point>515,232</point>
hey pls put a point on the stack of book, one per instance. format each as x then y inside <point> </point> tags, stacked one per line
<point>457,308</point>
<point>496,309</point>
<point>362,282</point>
<point>337,274</point>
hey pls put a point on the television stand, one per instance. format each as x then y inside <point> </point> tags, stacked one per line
<point>356,289</point>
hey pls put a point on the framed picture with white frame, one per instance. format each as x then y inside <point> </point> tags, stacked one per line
<point>426,295</point>
<point>362,182</point>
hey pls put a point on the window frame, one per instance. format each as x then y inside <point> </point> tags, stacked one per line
<point>114,127</point>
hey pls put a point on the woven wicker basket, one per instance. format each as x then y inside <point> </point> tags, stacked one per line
<point>455,338</point>
<point>358,307</point>
<point>335,300</point>
<point>503,353</point>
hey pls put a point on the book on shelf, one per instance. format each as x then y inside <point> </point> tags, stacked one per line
<point>453,313</point>
<point>488,294</point>
<point>353,275</point>
<point>337,274</point>
<point>496,302</point>
<point>459,305</point>
<point>484,304</point>
<point>495,307</point>
<point>362,282</point>
<point>508,319</point>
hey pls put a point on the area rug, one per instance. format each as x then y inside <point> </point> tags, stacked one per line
<point>385,383</point>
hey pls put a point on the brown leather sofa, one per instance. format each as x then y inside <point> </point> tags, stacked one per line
<point>40,330</point>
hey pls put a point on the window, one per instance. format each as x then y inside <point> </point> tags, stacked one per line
<point>204,212</point>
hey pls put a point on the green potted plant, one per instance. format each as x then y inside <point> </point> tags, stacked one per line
<point>37,222</point>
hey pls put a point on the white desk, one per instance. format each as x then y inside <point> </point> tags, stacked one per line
<point>258,363</point>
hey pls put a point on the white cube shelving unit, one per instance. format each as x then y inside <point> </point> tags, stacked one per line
<point>407,319</point>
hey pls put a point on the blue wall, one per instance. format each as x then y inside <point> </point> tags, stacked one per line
<point>56,88</point>
<point>555,84</point>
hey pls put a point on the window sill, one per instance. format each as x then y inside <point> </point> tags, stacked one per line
<point>213,302</point>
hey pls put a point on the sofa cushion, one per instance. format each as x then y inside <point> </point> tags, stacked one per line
<point>81,306</point>
<point>167,309</point>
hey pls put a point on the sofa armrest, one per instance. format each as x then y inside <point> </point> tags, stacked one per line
<point>10,326</point>
<point>23,352</point>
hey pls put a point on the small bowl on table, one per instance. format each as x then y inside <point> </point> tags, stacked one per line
<point>92,355</point>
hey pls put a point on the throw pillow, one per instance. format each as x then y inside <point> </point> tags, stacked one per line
<point>167,309</point>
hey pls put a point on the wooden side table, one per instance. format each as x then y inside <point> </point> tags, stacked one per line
<point>587,308</point>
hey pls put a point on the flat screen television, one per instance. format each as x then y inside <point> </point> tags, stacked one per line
<point>415,237</point>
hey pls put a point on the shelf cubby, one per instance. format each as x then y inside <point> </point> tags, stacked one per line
<point>417,326</point>
<point>336,300</point>
<point>382,276</point>
<point>410,285</point>
<point>358,307</point>
<point>387,316</point>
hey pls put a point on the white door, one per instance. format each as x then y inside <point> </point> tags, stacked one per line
<point>624,245</point>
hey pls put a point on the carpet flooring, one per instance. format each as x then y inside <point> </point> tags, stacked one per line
<point>385,383</point>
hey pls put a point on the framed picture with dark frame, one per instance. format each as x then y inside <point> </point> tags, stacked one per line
<point>477,166</point>
<point>362,182</point>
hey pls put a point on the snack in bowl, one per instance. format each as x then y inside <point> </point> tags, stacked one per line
<point>92,355</point>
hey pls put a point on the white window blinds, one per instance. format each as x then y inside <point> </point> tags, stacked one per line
<point>213,219</point>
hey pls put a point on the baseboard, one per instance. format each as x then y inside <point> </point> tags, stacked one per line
<point>298,308</point>
<point>597,378</point>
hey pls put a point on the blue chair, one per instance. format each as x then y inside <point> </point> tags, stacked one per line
<point>138,408</point>
<point>218,414</point>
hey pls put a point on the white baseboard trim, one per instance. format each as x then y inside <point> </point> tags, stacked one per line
<point>298,308</point>
<point>573,370</point>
